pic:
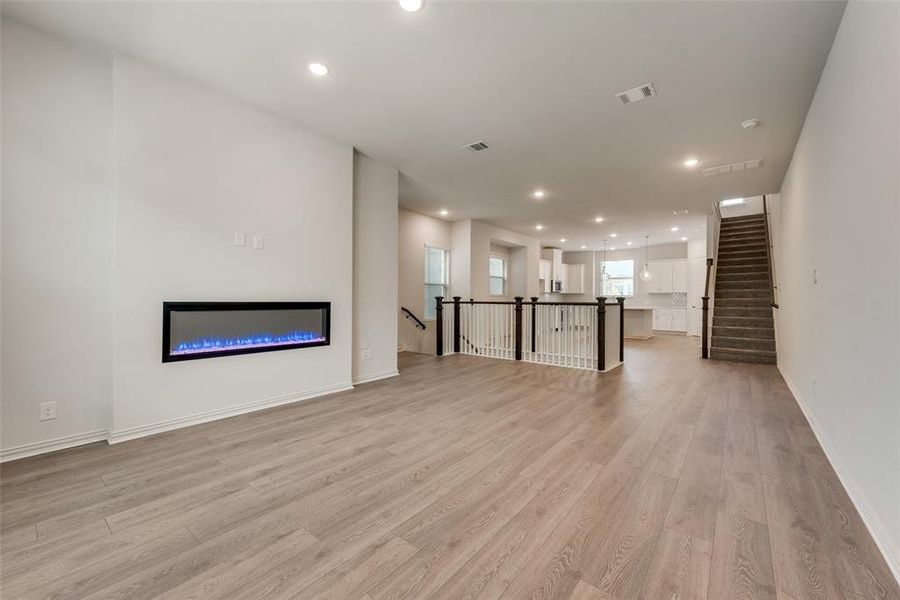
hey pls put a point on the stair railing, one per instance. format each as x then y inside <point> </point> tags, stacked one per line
<point>409,315</point>
<point>773,288</point>
<point>568,334</point>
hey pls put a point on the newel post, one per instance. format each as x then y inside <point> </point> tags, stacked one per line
<point>534,300</point>
<point>519,327</point>
<point>439,325</point>
<point>704,328</point>
<point>456,321</point>
<point>601,333</point>
<point>621,302</point>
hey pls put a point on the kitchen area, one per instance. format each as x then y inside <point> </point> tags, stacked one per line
<point>663,298</point>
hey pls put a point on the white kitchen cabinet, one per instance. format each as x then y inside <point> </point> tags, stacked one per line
<point>661,282</point>
<point>662,319</point>
<point>544,270</point>
<point>670,319</point>
<point>573,279</point>
<point>680,276</point>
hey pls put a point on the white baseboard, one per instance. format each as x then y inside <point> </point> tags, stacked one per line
<point>131,433</point>
<point>376,376</point>
<point>869,517</point>
<point>69,441</point>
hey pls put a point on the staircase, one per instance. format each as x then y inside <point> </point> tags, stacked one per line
<point>743,326</point>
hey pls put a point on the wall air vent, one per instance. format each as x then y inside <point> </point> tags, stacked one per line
<point>641,92</point>
<point>476,147</point>
<point>733,167</point>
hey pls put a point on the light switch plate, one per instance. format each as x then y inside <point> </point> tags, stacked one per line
<point>364,343</point>
<point>239,238</point>
<point>258,242</point>
<point>367,354</point>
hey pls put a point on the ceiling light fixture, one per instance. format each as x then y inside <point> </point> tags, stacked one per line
<point>629,243</point>
<point>538,227</point>
<point>444,212</point>
<point>750,124</point>
<point>318,69</point>
<point>612,235</point>
<point>613,248</point>
<point>673,229</point>
<point>538,194</point>
<point>584,247</point>
<point>411,5</point>
<point>562,240</point>
<point>646,274</point>
<point>684,239</point>
<point>691,163</point>
<point>732,202</point>
<point>598,219</point>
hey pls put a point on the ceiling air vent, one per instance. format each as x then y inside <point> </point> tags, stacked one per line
<point>476,147</point>
<point>733,167</point>
<point>641,92</point>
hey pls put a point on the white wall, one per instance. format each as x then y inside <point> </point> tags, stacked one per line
<point>192,167</point>
<point>482,236</point>
<point>375,222</point>
<point>123,186</point>
<point>840,215</point>
<point>415,232</point>
<point>57,241</point>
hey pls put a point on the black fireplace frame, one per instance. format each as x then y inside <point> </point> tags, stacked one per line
<point>169,307</point>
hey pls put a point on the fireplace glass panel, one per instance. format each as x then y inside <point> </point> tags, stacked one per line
<point>201,330</point>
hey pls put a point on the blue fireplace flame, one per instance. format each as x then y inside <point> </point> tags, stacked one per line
<point>255,340</point>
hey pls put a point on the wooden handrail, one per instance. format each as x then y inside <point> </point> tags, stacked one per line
<point>772,286</point>
<point>410,315</point>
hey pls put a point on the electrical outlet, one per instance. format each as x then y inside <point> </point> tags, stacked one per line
<point>239,238</point>
<point>367,354</point>
<point>258,242</point>
<point>48,411</point>
<point>364,343</point>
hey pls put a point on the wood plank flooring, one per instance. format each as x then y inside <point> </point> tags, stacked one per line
<point>463,478</point>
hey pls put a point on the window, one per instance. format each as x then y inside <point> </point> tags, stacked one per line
<point>621,278</point>
<point>436,277</point>
<point>498,276</point>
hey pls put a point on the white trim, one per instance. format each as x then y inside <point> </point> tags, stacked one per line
<point>69,441</point>
<point>889,552</point>
<point>376,376</point>
<point>140,431</point>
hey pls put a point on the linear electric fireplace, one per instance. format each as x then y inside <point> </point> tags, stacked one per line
<point>193,330</point>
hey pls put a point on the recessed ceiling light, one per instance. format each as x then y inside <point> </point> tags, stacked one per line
<point>613,248</point>
<point>444,212</point>
<point>317,69</point>
<point>598,219</point>
<point>538,227</point>
<point>584,247</point>
<point>732,202</point>
<point>613,235</point>
<point>411,5</point>
<point>673,229</point>
<point>562,239</point>
<point>538,193</point>
<point>691,162</point>
<point>629,243</point>
<point>684,239</point>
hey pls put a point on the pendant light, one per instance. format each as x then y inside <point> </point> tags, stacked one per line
<point>604,274</point>
<point>645,274</point>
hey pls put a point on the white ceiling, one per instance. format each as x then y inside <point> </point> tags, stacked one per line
<point>536,80</point>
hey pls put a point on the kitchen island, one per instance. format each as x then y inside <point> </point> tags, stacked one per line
<point>638,323</point>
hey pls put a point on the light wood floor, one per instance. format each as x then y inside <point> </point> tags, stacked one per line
<point>465,477</point>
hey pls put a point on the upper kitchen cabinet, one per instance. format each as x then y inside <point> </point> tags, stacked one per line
<point>668,276</point>
<point>680,276</point>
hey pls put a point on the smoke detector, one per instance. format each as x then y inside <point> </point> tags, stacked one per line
<point>733,167</point>
<point>476,147</point>
<point>641,92</point>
